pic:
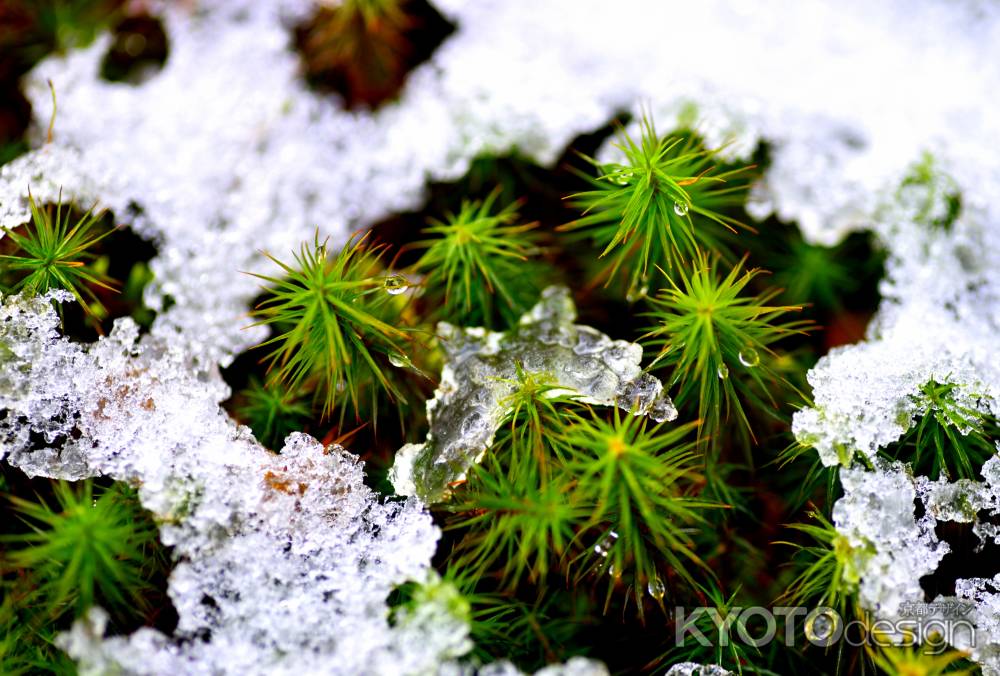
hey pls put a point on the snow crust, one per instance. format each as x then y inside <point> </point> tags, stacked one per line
<point>892,548</point>
<point>224,153</point>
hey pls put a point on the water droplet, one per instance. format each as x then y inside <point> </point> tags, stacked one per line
<point>636,292</point>
<point>604,545</point>
<point>656,588</point>
<point>396,284</point>
<point>613,572</point>
<point>681,208</point>
<point>749,357</point>
<point>621,176</point>
<point>822,627</point>
<point>723,372</point>
<point>401,361</point>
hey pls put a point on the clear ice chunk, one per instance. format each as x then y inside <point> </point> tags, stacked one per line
<point>480,372</point>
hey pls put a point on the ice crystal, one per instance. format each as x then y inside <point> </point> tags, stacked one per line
<point>893,548</point>
<point>280,558</point>
<point>938,322</point>
<point>225,151</point>
<point>480,375</point>
<point>225,141</point>
<point>284,562</point>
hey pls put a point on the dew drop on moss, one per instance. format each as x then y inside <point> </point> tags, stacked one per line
<point>396,284</point>
<point>604,545</point>
<point>620,176</point>
<point>749,357</point>
<point>656,588</point>
<point>636,292</point>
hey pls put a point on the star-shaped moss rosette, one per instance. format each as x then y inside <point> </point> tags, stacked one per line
<point>480,374</point>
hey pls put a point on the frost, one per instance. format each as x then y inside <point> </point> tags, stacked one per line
<point>574,666</point>
<point>946,501</point>
<point>225,141</point>
<point>438,607</point>
<point>893,549</point>
<point>985,594</point>
<point>224,152</point>
<point>938,322</point>
<point>50,173</point>
<point>866,396</point>
<point>284,562</point>
<point>481,373</point>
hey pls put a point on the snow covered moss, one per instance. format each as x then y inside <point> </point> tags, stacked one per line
<point>894,518</point>
<point>923,388</point>
<point>279,557</point>
<point>223,145</point>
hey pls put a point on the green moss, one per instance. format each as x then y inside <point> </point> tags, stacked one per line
<point>934,194</point>
<point>665,201</point>
<point>83,547</point>
<point>716,337</point>
<point>481,265</point>
<point>273,411</point>
<point>55,253</point>
<point>336,325</point>
<point>952,436</point>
